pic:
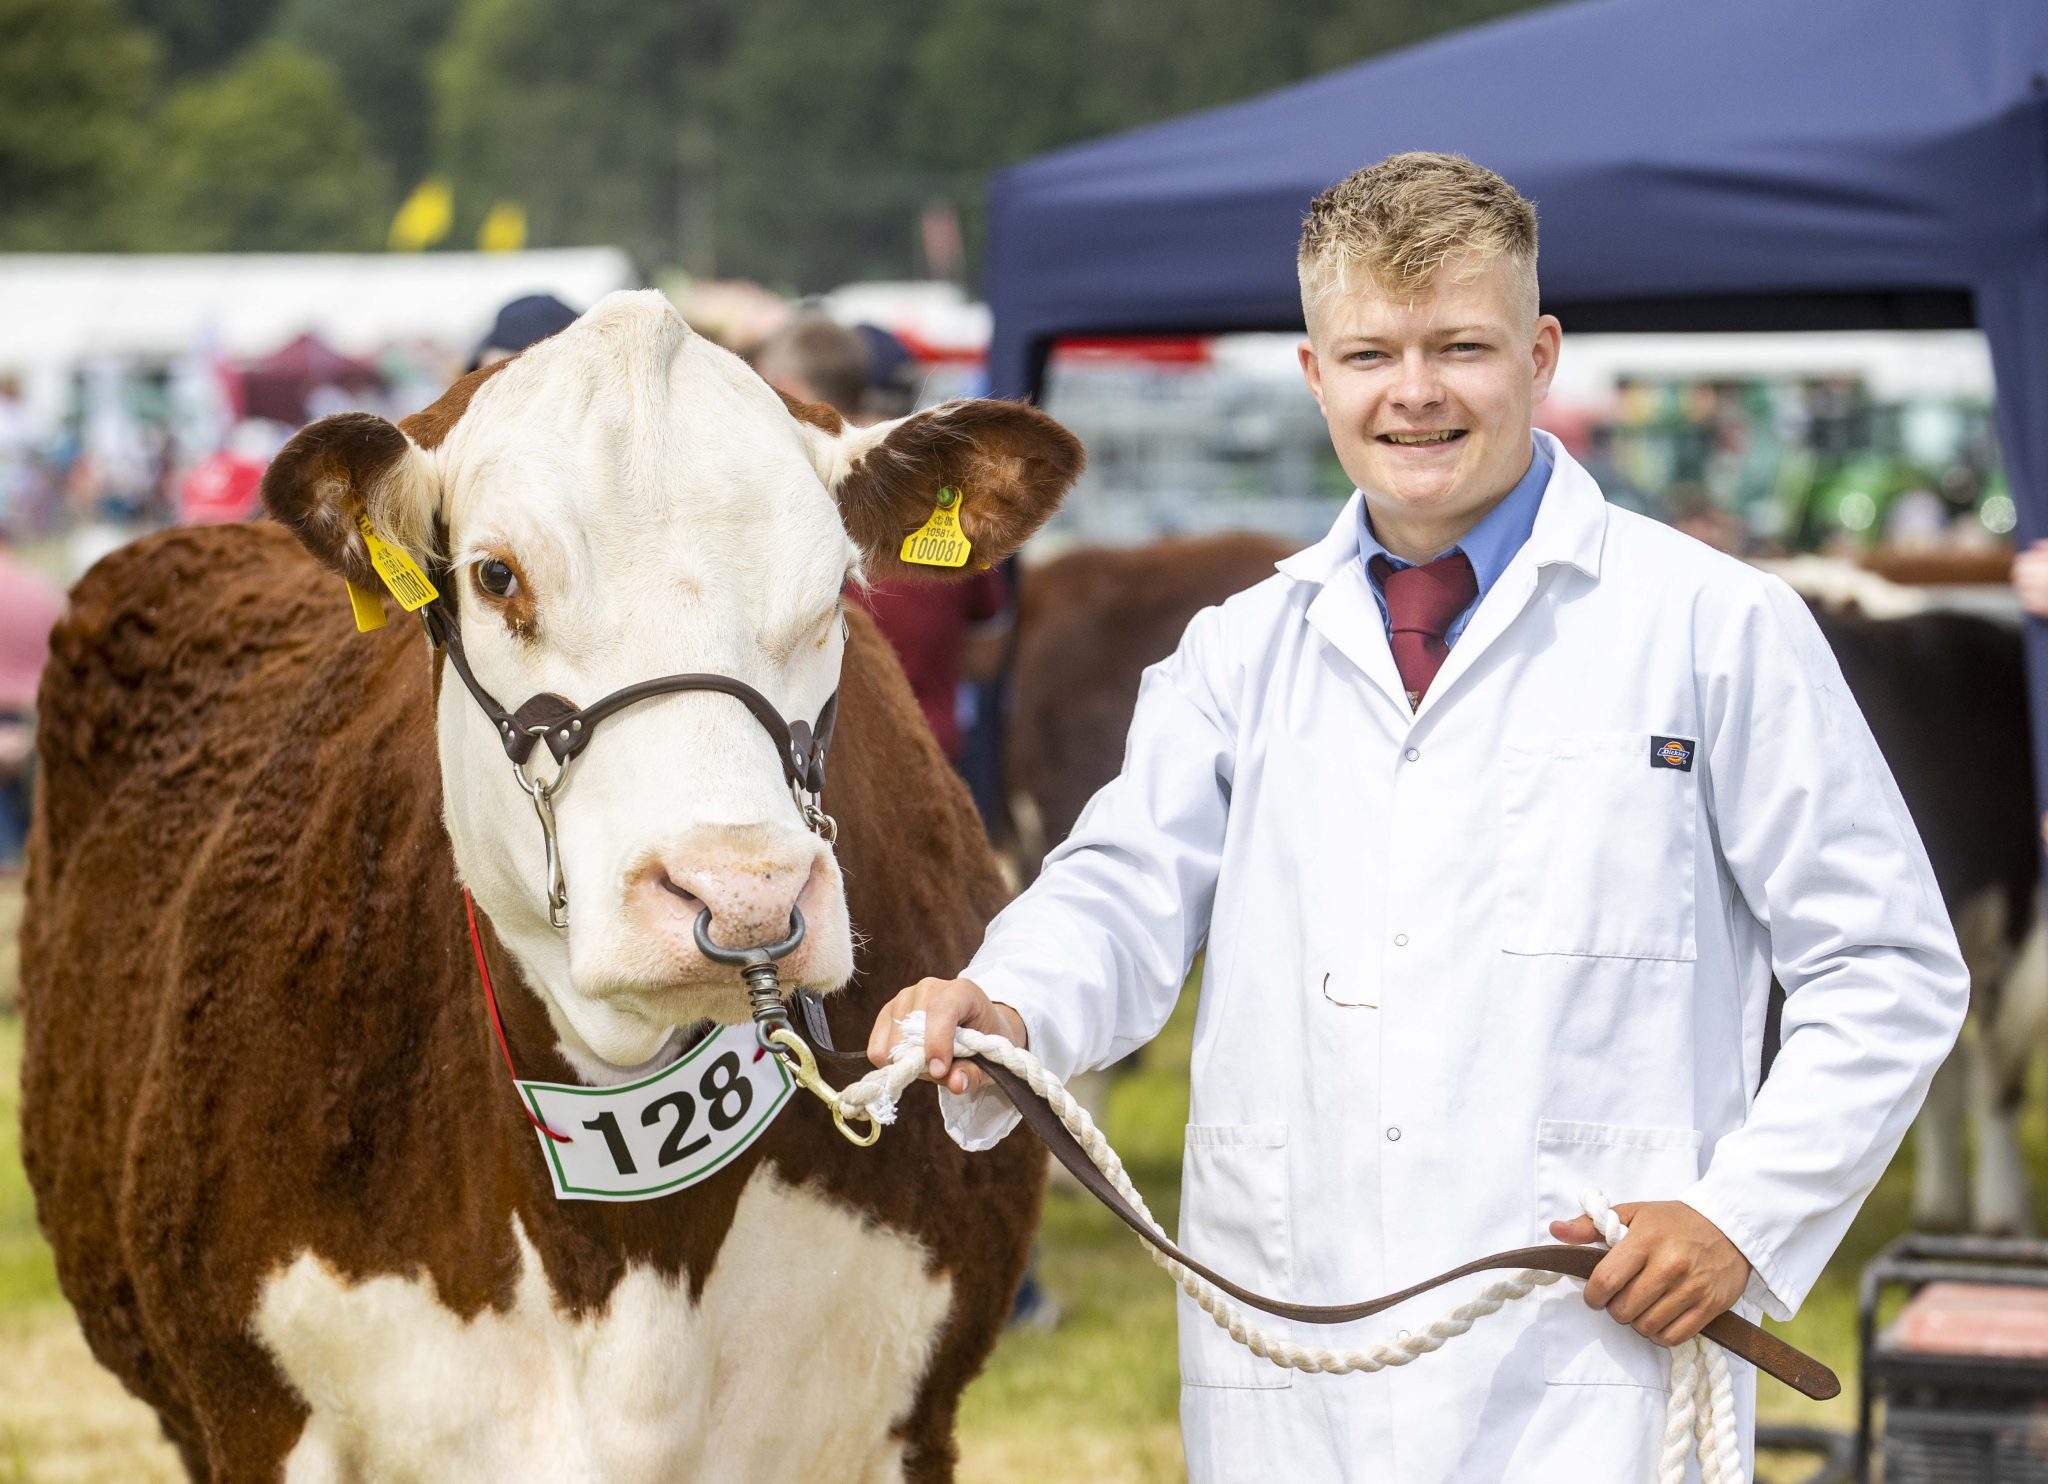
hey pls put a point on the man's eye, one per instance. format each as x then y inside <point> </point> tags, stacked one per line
<point>496,578</point>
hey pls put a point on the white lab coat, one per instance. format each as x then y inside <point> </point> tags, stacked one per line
<point>1465,963</point>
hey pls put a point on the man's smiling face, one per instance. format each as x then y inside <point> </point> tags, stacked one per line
<point>1429,397</point>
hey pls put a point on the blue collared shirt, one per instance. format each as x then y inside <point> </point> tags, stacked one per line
<point>1488,546</point>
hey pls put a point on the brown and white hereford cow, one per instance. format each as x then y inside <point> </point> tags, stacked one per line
<point>292,1194</point>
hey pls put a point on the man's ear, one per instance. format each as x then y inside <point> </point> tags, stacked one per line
<point>1009,462</point>
<point>343,467</point>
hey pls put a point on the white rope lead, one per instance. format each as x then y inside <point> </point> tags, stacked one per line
<point>1701,1412</point>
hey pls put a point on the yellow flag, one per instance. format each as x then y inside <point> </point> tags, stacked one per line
<point>504,230</point>
<point>426,216</point>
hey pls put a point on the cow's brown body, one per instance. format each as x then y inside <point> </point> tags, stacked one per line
<point>1088,625</point>
<point>255,1028</point>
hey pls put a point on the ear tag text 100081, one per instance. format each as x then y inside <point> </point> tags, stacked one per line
<point>400,572</point>
<point>939,542</point>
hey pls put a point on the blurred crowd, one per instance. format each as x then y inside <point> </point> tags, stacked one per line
<point>134,446</point>
<point>1184,437</point>
<point>141,447</point>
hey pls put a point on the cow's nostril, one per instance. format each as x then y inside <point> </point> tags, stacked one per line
<point>688,898</point>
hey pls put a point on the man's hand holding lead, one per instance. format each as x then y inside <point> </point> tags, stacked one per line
<point>947,1004</point>
<point>1669,1276</point>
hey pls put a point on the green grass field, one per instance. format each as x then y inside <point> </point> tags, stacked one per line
<point>1093,1399</point>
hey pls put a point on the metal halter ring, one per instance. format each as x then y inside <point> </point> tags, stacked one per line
<point>816,820</point>
<point>543,796</point>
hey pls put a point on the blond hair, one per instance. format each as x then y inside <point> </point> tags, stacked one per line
<point>1409,218</point>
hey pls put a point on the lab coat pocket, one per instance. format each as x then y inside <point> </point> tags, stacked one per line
<point>1596,848</point>
<point>1581,1345</point>
<point>1234,1218</point>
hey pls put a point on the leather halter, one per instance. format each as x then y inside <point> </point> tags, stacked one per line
<point>567,728</point>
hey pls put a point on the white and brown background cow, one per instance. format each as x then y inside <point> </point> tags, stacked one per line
<point>291,1191</point>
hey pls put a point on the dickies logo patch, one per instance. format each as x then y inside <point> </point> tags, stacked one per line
<point>1672,752</point>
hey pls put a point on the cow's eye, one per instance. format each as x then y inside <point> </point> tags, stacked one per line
<point>496,578</point>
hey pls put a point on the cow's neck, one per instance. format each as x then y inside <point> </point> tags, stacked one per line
<point>534,1038</point>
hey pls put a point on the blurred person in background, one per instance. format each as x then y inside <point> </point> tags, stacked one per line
<point>29,604</point>
<point>17,444</point>
<point>814,358</point>
<point>944,633</point>
<point>523,322</point>
<point>222,487</point>
<point>892,374</point>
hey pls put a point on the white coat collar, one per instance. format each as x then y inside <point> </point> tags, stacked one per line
<point>1571,526</point>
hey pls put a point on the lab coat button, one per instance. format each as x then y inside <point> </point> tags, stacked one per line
<point>1400,940</point>
<point>1394,1135</point>
<point>1413,754</point>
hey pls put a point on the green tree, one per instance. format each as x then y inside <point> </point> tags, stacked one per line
<point>200,35</point>
<point>1352,32</point>
<point>1001,80</point>
<point>592,114</point>
<point>823,162</point>
<point>797,141</point>
<point>382,50</point>
<point>74,93</point>
<point>267,157</point>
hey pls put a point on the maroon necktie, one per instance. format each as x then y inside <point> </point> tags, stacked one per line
<point>1422,603</point>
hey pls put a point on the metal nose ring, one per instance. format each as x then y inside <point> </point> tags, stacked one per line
<point>741,958</point>
<point>757,967</point>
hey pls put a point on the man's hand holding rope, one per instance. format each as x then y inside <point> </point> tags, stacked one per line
<point>1669,1276</point>
<point>948,1004</point>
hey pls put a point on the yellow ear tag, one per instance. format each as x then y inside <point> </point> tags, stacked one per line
<point>939,542</point>
<point>400,572</point>
<point>367,607</point>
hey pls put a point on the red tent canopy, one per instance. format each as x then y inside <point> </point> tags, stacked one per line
<point>276,386</point>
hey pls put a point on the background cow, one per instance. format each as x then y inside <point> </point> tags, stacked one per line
<point>292,1195</point>
<point>1088,623</point>
<point>1945,696</point>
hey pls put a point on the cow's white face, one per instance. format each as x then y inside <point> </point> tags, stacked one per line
<point>624,502</point>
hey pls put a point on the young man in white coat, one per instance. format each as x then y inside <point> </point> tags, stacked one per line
<point>1496,810</point>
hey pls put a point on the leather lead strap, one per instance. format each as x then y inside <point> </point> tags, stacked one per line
<point>1731,1331</point>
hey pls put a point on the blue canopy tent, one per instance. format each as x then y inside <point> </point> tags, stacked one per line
<point>1831,164</point>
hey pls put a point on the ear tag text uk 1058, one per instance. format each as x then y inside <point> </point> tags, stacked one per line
<point>939,542</point>
<point>400,572</point>
<point>368,608</point>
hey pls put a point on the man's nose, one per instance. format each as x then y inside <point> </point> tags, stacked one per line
<point>1418,387</point>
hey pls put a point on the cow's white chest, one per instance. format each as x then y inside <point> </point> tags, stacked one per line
<point>807,1344</point>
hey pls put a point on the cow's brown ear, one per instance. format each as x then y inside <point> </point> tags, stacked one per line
<point>343,467</point>
<point>1009,463</point>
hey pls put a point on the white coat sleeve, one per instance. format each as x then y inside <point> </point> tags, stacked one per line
<point>1817,838</point>
<point>1092,955</point>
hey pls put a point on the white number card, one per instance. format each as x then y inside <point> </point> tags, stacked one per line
<point>665,1132</point>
